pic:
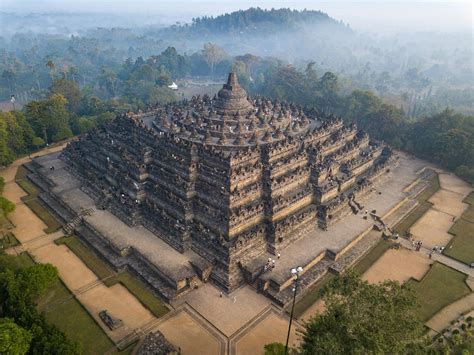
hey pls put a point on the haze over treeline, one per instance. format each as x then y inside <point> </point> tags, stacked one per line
<point>393,68</point>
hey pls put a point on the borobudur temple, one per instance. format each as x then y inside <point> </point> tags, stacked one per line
<point>231,178</point>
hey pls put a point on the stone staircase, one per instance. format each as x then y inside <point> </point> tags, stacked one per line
<point>72,225</point>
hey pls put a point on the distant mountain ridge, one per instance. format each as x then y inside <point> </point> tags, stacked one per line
<point>255,21</point>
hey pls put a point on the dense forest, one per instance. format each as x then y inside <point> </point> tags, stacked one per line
<point>417,99</point>
<point>422,72</point>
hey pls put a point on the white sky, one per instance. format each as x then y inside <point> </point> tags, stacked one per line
<point>380,16</point>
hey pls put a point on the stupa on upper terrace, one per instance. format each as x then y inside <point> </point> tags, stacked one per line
<point>231,119</point>
<point>233,179</point>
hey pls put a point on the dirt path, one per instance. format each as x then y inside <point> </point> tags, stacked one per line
<point>442,319</point>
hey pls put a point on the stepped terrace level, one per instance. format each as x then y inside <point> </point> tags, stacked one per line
<point>231,178</point>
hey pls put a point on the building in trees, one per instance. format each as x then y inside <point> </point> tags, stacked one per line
<point>228,182</point>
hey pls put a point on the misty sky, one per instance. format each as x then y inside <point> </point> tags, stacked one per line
<point>375,16</point>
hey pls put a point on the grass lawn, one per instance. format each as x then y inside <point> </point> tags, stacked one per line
<point>461,247</point>
<point>93,262</point>
<point>18,261</point>
<point>440,287</point>
<point>29,188</point>
<point>372,256</point>
<point>44,215</point>
<point>312,296</point>
<point>408,221</point>
<point>65,312</point>
<point>8,241</point>
<point>140,291</point>
<point>21,173</point>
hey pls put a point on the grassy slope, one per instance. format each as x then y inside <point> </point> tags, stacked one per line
<point>461,246</point>
<point>65,312</point>
<point>440,287</point>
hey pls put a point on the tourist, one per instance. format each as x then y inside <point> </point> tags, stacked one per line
<point>235,299</point>
<point>430,255</point>
<point>220,294</point>
<point>278,256</point>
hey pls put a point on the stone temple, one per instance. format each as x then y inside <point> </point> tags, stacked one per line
<point>227,182</point>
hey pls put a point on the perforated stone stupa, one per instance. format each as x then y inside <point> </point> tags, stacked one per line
<point>232,178</point>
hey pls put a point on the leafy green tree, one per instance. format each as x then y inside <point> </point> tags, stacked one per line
<point>49,118</point>
<point>6,155</point>
<point>213,55</point>
<point>20,287</point>
<point>274,349</point>
<point>14,339</point>
<point>6,205</point>
<point>69,90</point>
<point>363,318</point>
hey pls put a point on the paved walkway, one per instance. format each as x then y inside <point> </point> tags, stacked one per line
<point>443,259</point>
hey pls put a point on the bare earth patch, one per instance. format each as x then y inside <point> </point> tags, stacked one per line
<point>28,225</point>
<point>433,228</point>
<point>14,193</point>
<point>448,202</point>
<point>120,304</point>
<point>399,265</point>
<point>184,332</point>
<point>270,330</point>
<point>453,183</point>
<point>71,269</point>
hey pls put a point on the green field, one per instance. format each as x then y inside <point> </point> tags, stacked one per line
<point>98,266</point>
<point>440,287</point>
<point>61,309</point>
<point>461,247</point>
<point>142,293</point>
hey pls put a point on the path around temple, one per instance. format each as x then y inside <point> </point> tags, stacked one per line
<point>245,320</point>
<point>405,263</point>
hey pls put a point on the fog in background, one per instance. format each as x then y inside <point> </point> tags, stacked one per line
<point>375,16</point>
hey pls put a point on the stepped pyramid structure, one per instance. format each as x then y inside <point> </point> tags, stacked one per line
<point>231,178</point>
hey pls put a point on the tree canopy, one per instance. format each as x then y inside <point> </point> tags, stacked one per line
<point>20,288</point>
<point>363,318</point>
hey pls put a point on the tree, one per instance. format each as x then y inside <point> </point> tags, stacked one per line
<point>69,90</point>
<point>213,54</point>
<point>274,349</point>
<point>20,288</point>
<point>51,66</point>
<point>14,339</point>
<point>363,318</point>
<point>49,118</point>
